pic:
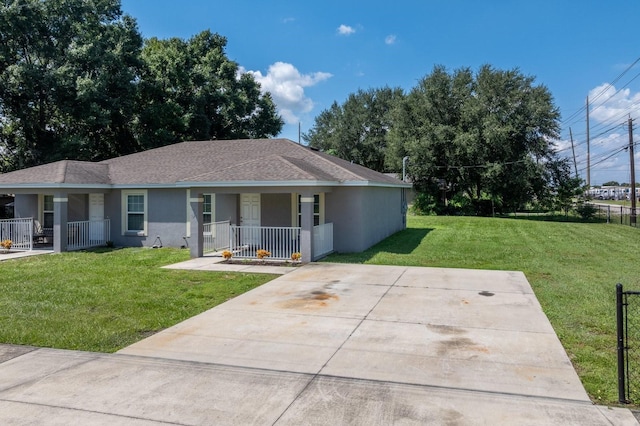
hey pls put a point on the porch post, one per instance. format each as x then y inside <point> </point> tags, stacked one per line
<point>196,240</point>
<point>306,223</point>
<point>60,203</point>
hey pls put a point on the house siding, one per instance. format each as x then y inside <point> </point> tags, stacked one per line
<point>226,207</point>
<point>25,205</point>
<point>363,216</point>
<point>166,218</point>
<point>275,209</point>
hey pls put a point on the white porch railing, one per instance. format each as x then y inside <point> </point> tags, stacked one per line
<point>85,234</point>
<point>216,236</point>
<point>280,241</point>
<point>322,240</point>
<point>19,231</point>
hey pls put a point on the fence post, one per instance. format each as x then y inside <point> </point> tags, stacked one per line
<point>621,346</point>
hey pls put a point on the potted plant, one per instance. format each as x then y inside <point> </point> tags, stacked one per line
<point>6,245</point>
<point>227,255</point>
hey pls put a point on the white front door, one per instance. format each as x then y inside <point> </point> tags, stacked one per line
<point>250,216</point>
<point>96,216</point>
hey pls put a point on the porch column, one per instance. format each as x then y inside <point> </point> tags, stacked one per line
<point>60,203</point>
<point>196,240</point>
<point>306,223</point>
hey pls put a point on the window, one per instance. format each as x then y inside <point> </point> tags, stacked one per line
<point>47,212</point>
<point>134,212</point>
<point>208,208</point>
<point>318,210</point>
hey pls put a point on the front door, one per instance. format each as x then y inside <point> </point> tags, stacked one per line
<point>250,216</point>
<point>96,217</point>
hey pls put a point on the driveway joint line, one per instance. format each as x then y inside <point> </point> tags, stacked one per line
<point>318,373</point>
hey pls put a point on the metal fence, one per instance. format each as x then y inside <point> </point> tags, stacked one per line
<point>86,234</point>
<point>280,241</point>
<point>614,214</point>
<point>19,231</point>
<point>216,236</point>
<point>322,240</point>
<point>628,346</point>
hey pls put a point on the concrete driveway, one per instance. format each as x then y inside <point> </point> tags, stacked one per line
<point>325,344</point>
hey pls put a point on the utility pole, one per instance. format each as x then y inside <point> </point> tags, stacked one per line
<point>573,148</point>
<point>632,219</point>
<point>588,150</point>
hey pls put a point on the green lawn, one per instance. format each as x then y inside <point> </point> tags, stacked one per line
<point>108,299</point>
<point>572,267</point>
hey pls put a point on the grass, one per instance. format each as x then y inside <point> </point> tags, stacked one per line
<point>105,300</point>
<point>572,267</point>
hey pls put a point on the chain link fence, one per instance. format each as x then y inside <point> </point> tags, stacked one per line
<point>616,214</point>
<point>628,332</point>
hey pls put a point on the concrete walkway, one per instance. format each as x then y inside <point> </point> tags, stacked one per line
<point>325,344</point>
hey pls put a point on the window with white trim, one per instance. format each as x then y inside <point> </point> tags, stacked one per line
<point>47,211</point>
<point>134,212</point>
<point>208,208</point>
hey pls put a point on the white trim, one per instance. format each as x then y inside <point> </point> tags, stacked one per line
<point>188,233</point>
<point>307,199</point>
<point>60,200</point>
<point>124,198</point>
<point>196,200</point>
<point>226,184</point>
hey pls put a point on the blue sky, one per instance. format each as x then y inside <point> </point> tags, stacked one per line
<point>309,54</point>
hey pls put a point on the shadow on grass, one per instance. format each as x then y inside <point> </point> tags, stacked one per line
<point>402,242</point>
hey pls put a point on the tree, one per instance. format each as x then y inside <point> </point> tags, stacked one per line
<point>190,90</point>
<point>357,130</point>
<point>68,71</point>
<point>611,183</point>
<point>485,135</point>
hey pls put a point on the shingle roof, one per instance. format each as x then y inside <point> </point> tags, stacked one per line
<point>243,160</point>
<point>60,172</point>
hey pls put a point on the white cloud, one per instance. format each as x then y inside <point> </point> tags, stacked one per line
<point>286,85</point>
<point>611,107</point>
<point>346,30</point>
<point>390,39</point>
<point>287,20</point>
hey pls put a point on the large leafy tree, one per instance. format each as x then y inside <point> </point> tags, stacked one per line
<point>68,71</point>
<point>486,135</point>
<point>191,91</point>
<point>357,130</point>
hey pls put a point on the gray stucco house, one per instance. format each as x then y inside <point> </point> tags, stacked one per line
<point>168,194</point>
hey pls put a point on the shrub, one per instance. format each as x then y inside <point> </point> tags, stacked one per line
<point>263,253</point>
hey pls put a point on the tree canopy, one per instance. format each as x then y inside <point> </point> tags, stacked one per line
<point>485,135</point>
<point>358,130</point>
<point>77,81</point>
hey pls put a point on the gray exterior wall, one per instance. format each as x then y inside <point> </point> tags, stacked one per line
<point>363,217</point>
<point>227,208</point>
<point>25,205</point>
<point>78,207</point>
<point>166,218</point>
<point>275,209</point>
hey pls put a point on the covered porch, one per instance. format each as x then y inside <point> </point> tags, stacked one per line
<point>281,243</point>
<point>286,225</point>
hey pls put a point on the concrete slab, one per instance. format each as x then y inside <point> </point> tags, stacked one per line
<point>113,389</point>
<point>337,401</point>
<point>276,341</point>
<point>348,273</point>
<point>8,352</point>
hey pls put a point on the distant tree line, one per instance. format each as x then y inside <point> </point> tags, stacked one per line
<point>77,81</point>
<point>475,142</point>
